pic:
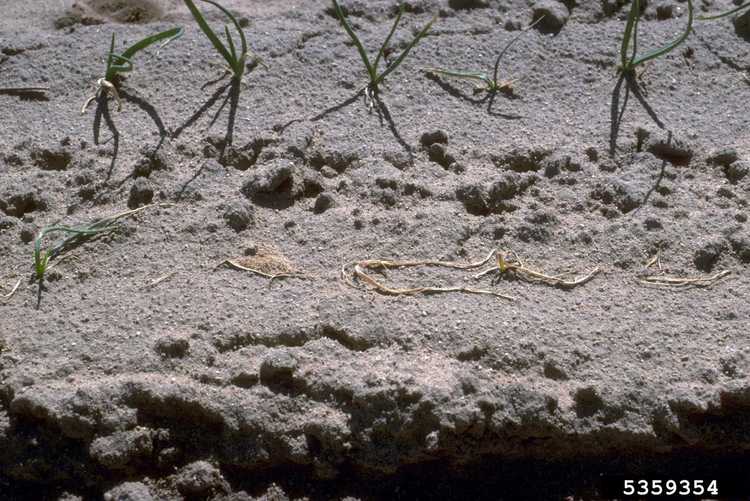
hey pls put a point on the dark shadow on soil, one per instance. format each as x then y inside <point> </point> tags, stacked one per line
<point>202,110</point>
<point>40,288</point>
<point>149,109</point>
<point>659,177</point>
<point>617,111</point>
<point>381,110</point>
<point>335,108</point>
<point>383,113</point>
<point>489,98</point>
<point>232,97</point>
<point>102,110</point>
<point>26,94</point>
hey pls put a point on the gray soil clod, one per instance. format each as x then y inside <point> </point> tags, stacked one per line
<point>213,347</point>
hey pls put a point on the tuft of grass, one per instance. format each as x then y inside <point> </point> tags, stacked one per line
<point>123,63</point>
<point>629,58</point>
<point>75,236</point>
<point>234,59</point>
<point>375,77</point>
<point>725,14</point>
<point>491,84</point>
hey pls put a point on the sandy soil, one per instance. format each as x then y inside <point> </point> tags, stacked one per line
<point>145,369</point>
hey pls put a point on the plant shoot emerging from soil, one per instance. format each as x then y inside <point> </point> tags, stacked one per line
<point>235,61</point>
<point>491,85</point>
<point>122,63</point>
<point>76,235</point>
<point>629,58</point>
<point>371,90</point>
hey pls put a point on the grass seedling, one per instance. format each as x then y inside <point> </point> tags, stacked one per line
<point>629,58</point>
<point>76,235</point>
<point>724,14</point>
<point>235,61</point>
<point>122,63</point>
<point>375,78</point>
<point>491,85</point>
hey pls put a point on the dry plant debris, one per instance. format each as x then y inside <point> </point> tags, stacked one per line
<point>266,263</point>
<point>159,280</point>
<point>5,298</point>
<point>356,269</point>
<point>662,279</point>
<point>520,269</point>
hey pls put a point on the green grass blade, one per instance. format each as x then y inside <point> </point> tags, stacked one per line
<point>168,35</point>
<point>126,57</point>
<point>635,12</point>
<point>469,75</point>
<point>505,49</point>
<point>206,29</point>
<point>41,261</point>
<point>239,63</point>
<point>120,68</point>
<point>110,55</point>
<point>670,46</point>
<point>230,42</point>
<point>724,14</point>
<point>362,52</point>
<point>405,53</point>
<point>388,39</point>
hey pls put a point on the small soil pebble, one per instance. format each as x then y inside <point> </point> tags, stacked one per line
<point>555,15</point>
<point>723,157</point>
<point>277,367</point>
<point>706,257</point>
<point>172,346</point>
<point>430,138</point>
<point>129,491</point>
<point>142,193</point>
<point>737,170</point>
<point>324,202</point>
<point>239,215</point>
<point>664,11</point>
<point>200,479</point>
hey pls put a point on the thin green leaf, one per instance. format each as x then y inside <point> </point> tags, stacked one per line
<point>130,52</point>
<point>633,16</point>
<point>362,52</point>
<point>670,46</point>
<point>230,42</point>
<point>725,14</point>
<point>388,38</point>
<point>41,261</point>
<point>110,55</point>
<point>239,63</point>
<point>168,35</point>
<point>405,53</point>
<point>505,49</point>
<point>120,68</point>
<point>210,33</point>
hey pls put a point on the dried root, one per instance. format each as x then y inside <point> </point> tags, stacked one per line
<point>356,270</point>
<point>266,263</point>
<point>103,87</point>
<point>519,268</point>
<point>7,297</point>
<point>159,280</point>
<point>661,279</point>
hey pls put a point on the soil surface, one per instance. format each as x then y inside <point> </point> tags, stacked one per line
<point>147,367</point>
